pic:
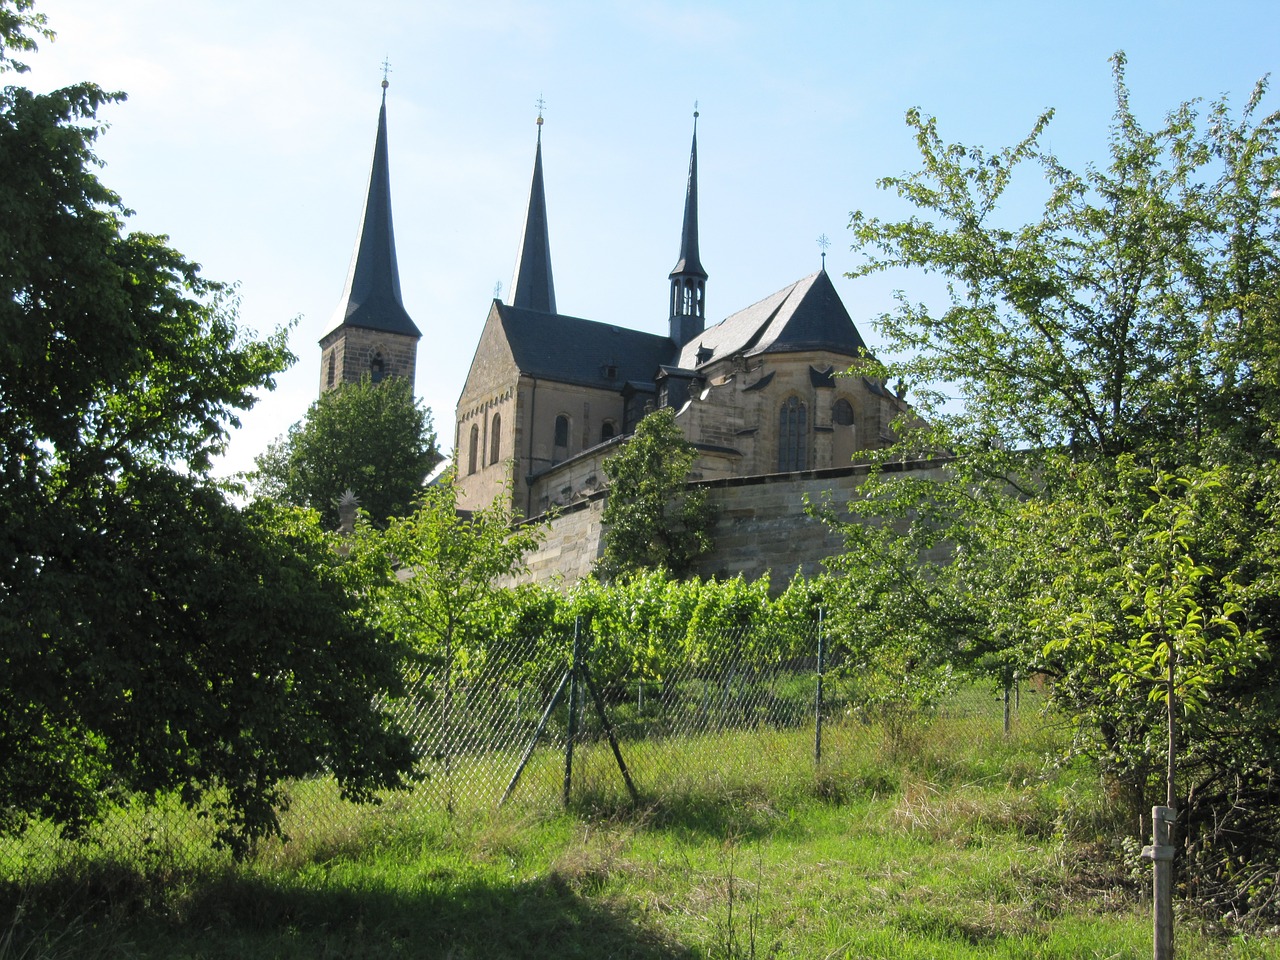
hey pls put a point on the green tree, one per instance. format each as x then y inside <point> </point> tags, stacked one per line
<point>450,564</point>
<point>651,517</point>
<point>1124,338</point>
<point>153,637</point>
<point>374,439</point>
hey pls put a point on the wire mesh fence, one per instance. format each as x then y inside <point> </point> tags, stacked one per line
<point>529,725</point>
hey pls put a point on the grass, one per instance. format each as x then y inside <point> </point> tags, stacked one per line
<point>965,846</point>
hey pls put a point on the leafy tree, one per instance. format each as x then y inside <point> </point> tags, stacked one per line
<point>153,637</point>
<point>1121,319</point>
<point>1105,377</point>
<point>374,439</point>
<point>651,517</point>
<point>450,564</point>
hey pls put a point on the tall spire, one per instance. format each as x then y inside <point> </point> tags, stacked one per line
<point>532,287</point>
<point>688,279</point>
<point>371,299</point>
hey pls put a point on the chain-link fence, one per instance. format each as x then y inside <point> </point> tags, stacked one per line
<point>530,725</point>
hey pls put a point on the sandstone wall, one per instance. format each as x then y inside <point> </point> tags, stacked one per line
<point>762,526</point>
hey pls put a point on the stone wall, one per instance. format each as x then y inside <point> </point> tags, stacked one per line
<point>762,526</point>
<point>348,353</point>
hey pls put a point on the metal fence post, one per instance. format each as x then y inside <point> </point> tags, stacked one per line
<point>1008,715</point>
<point>817,698</point>
<point>573,708</point>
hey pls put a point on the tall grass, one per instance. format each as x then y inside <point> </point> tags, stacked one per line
<point>969,844</point>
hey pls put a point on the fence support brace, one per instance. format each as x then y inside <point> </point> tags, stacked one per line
<point>576,677</point>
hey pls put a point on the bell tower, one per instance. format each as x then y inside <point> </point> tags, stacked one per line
<point>371,332</point>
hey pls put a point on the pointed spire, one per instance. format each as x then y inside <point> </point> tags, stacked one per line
<point>532,287</point>
<point>371,298</point>
<point>688,279</point>
<point>689,263</point>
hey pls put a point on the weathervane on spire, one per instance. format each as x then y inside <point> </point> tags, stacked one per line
<point>386,70</point>
<point>823,242</point>
<point>695,116</point>
<point>541,105</point>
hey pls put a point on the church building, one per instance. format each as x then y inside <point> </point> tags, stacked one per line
<point>548,397</point>
<point>765,391</point>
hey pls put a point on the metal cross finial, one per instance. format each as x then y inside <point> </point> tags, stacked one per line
<point>386,70</point>
<point>541,105</point>
<point>497,290</point>
<point>823,242</point>
<point>695,109</point>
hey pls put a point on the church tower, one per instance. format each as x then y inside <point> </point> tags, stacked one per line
<point>372,332</point>
<point>688,279</point>
<point>532,287</point>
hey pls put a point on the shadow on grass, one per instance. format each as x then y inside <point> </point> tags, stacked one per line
<point>440,913</point>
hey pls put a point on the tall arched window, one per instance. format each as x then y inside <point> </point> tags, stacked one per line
<point>561,439</point>
<point>495,438</point>
<point>332,372</point>
<point>377,368</point>
<point>842,413</point>
<point>793,436</point>
<point>473,449</point>
<point>608,431</point>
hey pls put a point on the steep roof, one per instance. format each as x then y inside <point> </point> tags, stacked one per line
<point>371,298</point>
<point>807,315</point>
<point>689,263</point>
<point>532,287</point>
<point>572,350</point>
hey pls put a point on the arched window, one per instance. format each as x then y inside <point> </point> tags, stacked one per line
<point>473,449</point>
<point>842,413</point>
<point>495,438</point>
<point>562,431</point>
<point>793,436</point>
<point>377,368</point>
<point>608,431</point>
<point>332,373</point>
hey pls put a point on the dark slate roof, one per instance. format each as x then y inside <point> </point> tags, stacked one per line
<point>532,287</point>
<point>371,298</point>
<point>689,263</point>
<point>571,350</point>
<point>807,315</point>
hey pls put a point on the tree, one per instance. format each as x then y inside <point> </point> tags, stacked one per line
<point>651,517</point>
<point>1115,322</point>
<point>153,637</point>
<point>1105,376</point>
<point>450,564</point>
<point>374,439</point>
<point>434,583</point>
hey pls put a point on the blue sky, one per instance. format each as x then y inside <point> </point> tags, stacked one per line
<point>249,129</point>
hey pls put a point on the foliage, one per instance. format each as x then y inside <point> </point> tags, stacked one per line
<point>1103,378</point>
<point>651,517</point>
<point>435,573</point>
<point>152,635</point>
<point>374,439</point>
<point>1122,318</point>
<point>647,624</point>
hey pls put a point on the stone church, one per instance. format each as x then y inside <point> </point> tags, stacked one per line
<point>548,397</point>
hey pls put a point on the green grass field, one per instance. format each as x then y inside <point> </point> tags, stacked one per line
<point>960,844</point>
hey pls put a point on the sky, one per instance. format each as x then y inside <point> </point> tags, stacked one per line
<point>249,127</point>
